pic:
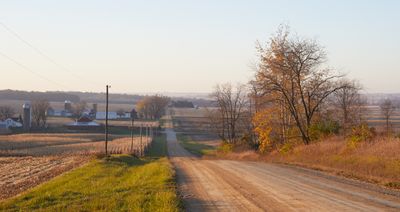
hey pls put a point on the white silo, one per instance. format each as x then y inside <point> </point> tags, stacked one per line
<point>27,116</point>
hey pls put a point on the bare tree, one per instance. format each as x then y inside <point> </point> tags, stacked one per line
<point>348,102</point>
<point>79,108</point>
<point>39,109</point>
<point>152,107</point>
<point>120,112</point>
<point>387,109</point>
<point>291,69</point>
<point>6,112</point>
<point>232,104</point>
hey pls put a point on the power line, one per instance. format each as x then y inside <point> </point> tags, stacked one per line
<point>30,70</point>
<point>41,53</point>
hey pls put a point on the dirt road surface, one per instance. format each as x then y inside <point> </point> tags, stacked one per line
<point>221,185</point>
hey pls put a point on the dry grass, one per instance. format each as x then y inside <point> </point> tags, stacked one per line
<point>377,161</point>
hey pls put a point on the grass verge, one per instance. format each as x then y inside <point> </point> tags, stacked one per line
<point>120,183</point>
<point>195,147</point>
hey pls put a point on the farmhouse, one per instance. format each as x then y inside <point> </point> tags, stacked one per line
<point>84,123</point>
<point>102,115</point>
<point>11,123</point>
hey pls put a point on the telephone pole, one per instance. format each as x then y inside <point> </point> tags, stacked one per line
<point>141,125</point>
<point>132,127</point>
<point>106,130</point>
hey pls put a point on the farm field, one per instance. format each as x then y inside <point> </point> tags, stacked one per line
<point>30,159</point>
<point>374,118</point>
<point>191,120</point>
<point>18,174</point>
<point>190,112</point>
<point>120,183</point>
<point>67,144</point>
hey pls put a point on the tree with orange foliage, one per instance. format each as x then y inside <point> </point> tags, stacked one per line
<point>291,71</point>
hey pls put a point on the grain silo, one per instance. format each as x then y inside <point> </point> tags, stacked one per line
<point>68,106</point>
<point>27,116</point>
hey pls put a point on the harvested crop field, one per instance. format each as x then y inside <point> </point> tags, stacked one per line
<point>18,174</point>
<point>56,144</point>
<point>27,160</point>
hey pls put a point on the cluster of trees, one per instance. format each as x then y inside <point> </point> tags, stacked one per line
<point>39,112</point>
<point>35,95</point>
<point>294,96</point>
<point>152,107</point>
<point>387,109</point>
<point>298,95</point>
<point>78,108</point>
<point>182,104</point>
<point>6,112</point>
<point>231,119</point>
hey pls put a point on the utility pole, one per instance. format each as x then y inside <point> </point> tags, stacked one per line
<point>140,148</point>
<point>147,136</point>
<point>151,133</point>
<point>147,133</point>
<point>132,126</point>
<point>106,130</point>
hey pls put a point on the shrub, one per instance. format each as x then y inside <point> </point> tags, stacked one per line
<point>286,148</point>
<point>322,129</point>
<point>225,147</point>
<point>359,134</point>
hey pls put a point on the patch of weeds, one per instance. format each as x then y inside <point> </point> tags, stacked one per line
<point>395,185</point>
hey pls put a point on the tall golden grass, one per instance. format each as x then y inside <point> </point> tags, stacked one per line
<point>376,161</point>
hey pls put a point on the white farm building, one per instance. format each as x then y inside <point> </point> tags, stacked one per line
<point>102,115</point>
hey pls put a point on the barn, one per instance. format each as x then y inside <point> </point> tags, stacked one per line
<point>84,123</point>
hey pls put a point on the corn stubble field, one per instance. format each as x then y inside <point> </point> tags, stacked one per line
<point>373,116</point>
<point>27,160</point>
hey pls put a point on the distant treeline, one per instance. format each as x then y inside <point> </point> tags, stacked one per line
<point>58,96</point>
<point>182,104</point>
<point>194,101</point>
<point>113,98</point>
<point>35,95</point>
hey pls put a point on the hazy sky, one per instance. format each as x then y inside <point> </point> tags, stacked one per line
<point>186,46</point>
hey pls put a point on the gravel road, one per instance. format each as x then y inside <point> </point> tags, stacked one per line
<point>222,185</point>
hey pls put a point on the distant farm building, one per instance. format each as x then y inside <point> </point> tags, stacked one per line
<point>84,123</point>
<point>11,123</point>
<point>102,115</point>
<point>62,113</point>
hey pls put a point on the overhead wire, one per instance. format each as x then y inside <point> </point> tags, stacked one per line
<point>45,56</point>
<point>31,71</point>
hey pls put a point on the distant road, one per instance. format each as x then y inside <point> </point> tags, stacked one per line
<point>222,185</point>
